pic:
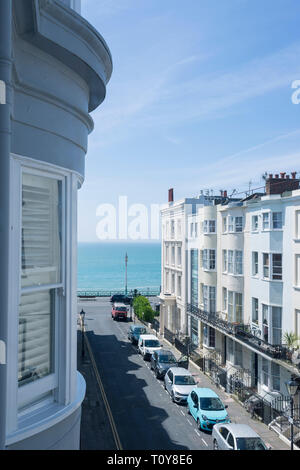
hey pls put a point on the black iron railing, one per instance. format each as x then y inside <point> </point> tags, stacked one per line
<point>240,331</point>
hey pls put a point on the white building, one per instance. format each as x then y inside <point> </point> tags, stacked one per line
<point>242,283</point>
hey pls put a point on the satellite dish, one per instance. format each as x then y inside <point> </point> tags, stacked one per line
<point>296,357</point>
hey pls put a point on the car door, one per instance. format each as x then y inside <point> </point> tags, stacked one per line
<point>169,381</point>
<point>221,438</point>
<point>154,361</point>
<point>230,442</point>
<point>194,405</point>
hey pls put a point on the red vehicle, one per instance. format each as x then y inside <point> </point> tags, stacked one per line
<point>119,311</point>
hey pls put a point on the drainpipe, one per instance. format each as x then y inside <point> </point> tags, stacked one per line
<point>5,141</point>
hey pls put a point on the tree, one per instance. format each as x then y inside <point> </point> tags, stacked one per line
<point>290,339</point>
<point>143,309</point>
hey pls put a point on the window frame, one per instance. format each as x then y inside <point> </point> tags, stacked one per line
<point>60,387</point>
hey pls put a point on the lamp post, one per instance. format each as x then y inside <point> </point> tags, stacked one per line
<point>126,261</point>
<point>82,315</point>
<point>292,387</point>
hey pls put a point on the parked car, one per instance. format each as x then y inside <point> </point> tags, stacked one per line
<point>125,299</point>
<point>134,332</point>
<point>147,344</point>
<point>236,437</point>
<point>179,382</point>
<point>163,359</point>
<point>119,311</point>
<point>206,408</point>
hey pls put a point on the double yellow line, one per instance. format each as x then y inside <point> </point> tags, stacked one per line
<point>103,394</point>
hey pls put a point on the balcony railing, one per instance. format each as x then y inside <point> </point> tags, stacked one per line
<point>242,332</point>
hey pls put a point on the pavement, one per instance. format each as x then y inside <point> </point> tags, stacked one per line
<point>96,429</point>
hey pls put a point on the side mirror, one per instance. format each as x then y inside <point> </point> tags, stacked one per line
<point>195,406</point>
<point>226,406</point>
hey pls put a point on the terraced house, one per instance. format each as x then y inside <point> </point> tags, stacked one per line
<point>241,276</point>
<point>54,67</point>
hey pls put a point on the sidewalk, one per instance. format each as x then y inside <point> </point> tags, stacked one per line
<point>96,433</point>
<point>237,413</point>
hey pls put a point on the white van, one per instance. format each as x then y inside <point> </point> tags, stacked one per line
<point>147,345</point>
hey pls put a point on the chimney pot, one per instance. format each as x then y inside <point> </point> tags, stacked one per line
<point>287,177</point>
<point>225,193</point>
<point>171,195</point>
<point>294,175</point>
<point>276,176</point>
<point>282,175</point>
<point>271,175</point>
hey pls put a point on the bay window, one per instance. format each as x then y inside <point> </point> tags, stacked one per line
<point>255,310</point>
<point>233,262</point>
<point>42,330</point>
<point>209,226</point>
<point>254,223</point>
<point>272,266</point>
<point>254,263</point>
<point>235,307</point>
<point>209,259</point>
<point>209,298</point>
<point>238,224</point>
<point>41,276</point>
<point>266,220</point>
<point>272,324</point>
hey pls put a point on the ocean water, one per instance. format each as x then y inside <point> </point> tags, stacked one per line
<point>102,265</point>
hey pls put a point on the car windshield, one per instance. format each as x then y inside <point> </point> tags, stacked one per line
<point>121,309</point>
<point>152,343</point>
<point>140,331</point>
<point>167,359</point>
<point>250,443</point>
<point>184,380</point>
<point>211,404</point>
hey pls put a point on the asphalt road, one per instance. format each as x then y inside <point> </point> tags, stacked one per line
<point>144,415</point>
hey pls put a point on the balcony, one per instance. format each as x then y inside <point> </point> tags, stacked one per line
<point>241,332</point>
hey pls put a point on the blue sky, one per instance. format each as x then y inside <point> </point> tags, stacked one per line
<point>200,98</point>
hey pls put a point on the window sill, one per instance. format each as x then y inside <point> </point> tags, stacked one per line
<point>51,414</point>
<point>271,280</point>
<point>296,287</point>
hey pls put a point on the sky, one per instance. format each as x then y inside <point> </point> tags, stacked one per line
<point>200,98</point>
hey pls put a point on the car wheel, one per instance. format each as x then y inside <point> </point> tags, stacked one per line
<point>157,374</point>
<point>188,410</point>
<point>173,398</point>
<point>216,447</point>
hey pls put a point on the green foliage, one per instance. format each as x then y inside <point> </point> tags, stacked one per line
<point>290,339</point>
<point>142,308</point>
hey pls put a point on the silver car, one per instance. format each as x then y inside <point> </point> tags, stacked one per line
<point>236,437</point>
<point>179,382</point>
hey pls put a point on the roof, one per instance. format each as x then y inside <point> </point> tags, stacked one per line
<point>241,430</point>
<point>205,392</point>
<point>119,304</point>
<point>148,336</point>
<point>180,371</point>
<point>161,352</point>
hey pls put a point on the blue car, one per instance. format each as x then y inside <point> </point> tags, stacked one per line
<point>206,408</point>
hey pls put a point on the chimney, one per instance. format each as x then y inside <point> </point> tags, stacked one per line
<point>225,193</point>
<point>280,185</point>
<point>171,195</point>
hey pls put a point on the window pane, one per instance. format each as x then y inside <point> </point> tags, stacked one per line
<point>266,220</point>
<point>239,224</point>
<point>277,266</point>
<point>266,267</point>
<point>277,219</point>
<point>36,333</point>
<point>41,230</point>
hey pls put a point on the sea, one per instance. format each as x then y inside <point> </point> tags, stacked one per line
<point>101,266</point>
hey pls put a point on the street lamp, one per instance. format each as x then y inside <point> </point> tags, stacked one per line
<point>82,315</point>
<point>292,387</point>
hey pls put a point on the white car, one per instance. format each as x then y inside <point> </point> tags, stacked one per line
<point>147,345</point>
<point>179,382</point>
<point>233,436</point>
